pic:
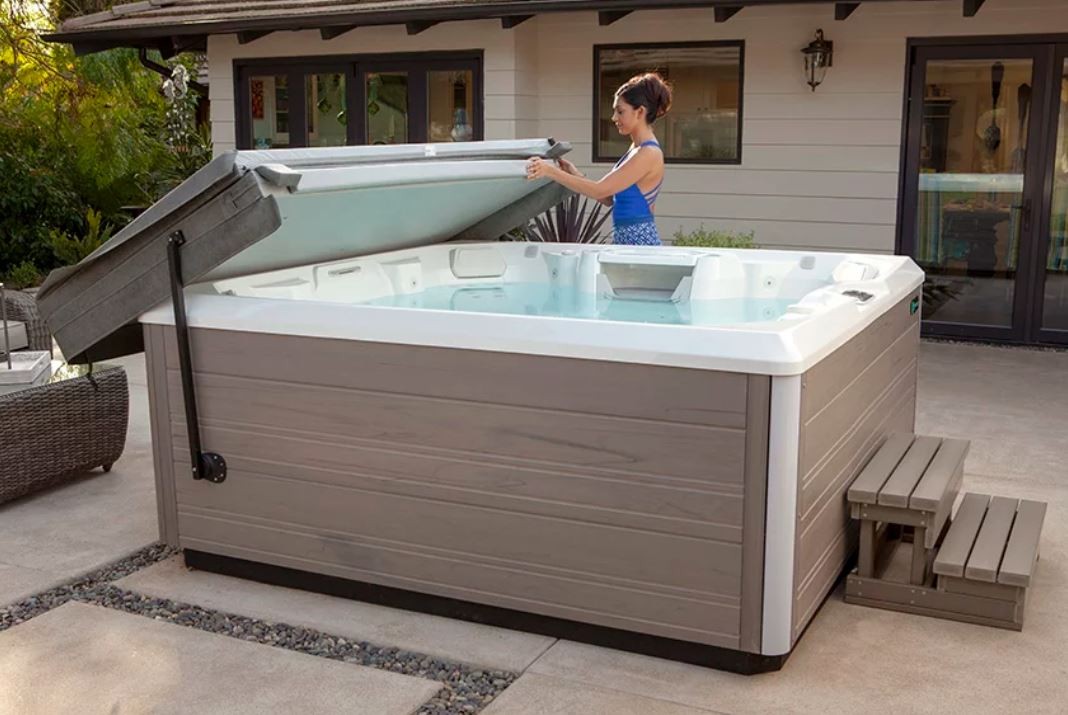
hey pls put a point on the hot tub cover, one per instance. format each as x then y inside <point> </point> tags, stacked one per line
<point>250,211</point>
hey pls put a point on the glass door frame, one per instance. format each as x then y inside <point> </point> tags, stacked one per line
<point>353,67</point>
<point>296,70</point>
<point>418,69</point>
<point>1059,56</point>
<point>1034,197</point>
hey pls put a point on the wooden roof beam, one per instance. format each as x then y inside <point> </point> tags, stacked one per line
<point>329,33</point>
<point>971,7</point>
<point>726,13</point>
<point>842,10</point>
<point>414,28</point>
<point>607,17</point>
<point>511,21</point>
<point>243,38</point>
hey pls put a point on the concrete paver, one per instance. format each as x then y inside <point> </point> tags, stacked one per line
<point>543,695</point>
<point>81,658</point>
<point>470,643</point>
<point>79,526</point>
<point>19,582</point>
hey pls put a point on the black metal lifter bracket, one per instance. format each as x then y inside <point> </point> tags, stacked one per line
<point>205,465</point>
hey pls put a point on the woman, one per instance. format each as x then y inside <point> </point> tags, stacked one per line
<point>632,186</point>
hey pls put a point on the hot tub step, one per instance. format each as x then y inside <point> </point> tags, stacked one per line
<point>911,482</point>
<point>979,569</point>
<point>937,603</point>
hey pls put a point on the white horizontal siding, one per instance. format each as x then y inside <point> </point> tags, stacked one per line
<point>819,169</point>
<point>877,212</point>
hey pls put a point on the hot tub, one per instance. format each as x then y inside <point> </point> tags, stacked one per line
<point>645,448</point>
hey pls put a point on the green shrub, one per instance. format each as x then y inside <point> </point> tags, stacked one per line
<point>24,275</point>
<point>71,249</point>
<point>80,132</point>
<point>702,238</point>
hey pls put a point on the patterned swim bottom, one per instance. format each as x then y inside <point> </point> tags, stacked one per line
<point>636,234</point>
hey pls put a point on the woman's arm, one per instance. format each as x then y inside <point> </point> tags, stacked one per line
<point>570,168</point>
<point>630,172</point>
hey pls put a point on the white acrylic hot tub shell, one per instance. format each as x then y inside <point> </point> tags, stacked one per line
<point>821,321</point>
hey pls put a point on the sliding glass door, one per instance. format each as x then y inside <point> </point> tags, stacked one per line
<point>986,189</point>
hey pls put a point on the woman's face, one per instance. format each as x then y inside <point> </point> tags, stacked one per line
<point>626,118</point>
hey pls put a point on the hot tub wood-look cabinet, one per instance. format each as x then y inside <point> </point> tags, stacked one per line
<point>644,448</point>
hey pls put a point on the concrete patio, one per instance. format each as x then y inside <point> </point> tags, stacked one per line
<point>1011,403</point>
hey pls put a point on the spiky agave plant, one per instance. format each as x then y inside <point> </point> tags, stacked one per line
<point>572,221</point>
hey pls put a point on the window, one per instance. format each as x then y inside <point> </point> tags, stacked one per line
<point>704,125</point>
<point>401,99</point>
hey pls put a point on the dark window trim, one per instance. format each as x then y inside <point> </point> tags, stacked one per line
<point>999,40</point>
<point>913,44</point>
<point>1026,313</point>
<point>350,65</point>
<point>740,44</point>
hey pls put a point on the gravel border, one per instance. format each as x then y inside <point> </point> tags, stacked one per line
<point>464,689</point>
<point>83,588</point>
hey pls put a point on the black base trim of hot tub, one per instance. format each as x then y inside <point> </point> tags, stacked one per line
<point>694,653</point>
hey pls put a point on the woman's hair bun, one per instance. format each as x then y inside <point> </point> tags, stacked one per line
<point>648,90</point>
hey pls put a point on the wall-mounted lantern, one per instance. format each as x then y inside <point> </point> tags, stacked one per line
<point>819,55</point>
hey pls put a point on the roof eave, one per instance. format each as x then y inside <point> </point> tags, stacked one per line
<point>92,39</point>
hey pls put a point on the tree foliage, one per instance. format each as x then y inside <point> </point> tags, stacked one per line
<point>80,133</point>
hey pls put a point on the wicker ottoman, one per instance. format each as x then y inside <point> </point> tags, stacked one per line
<point>22,307</point>
<point>54,432</point>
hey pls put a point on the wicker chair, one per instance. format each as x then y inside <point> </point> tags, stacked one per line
<point>23,308</point>
<point>58,431</point>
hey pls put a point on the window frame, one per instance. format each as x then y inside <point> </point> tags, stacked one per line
<point>596,156</point>
<point>353,67</point>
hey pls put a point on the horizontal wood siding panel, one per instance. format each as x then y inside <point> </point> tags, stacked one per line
<point>858,388</point>
<point>583,550</point>
<point>642,502</point>
<point>803,105</point>
<point>784,208</point>
<point>840,543</point>
<point>813,183</point>
<point>699,397</point>
<point>824,381</point>
<point>485,476</point>
<point>850,402</point>
<point>502,585</point>
<point>878,160</point>
<point>828,513</point>
<point>841,466</point>
<point>880,106</point>
<point>701,454</point>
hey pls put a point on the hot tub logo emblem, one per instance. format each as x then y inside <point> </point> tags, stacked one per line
<point>914,306</point>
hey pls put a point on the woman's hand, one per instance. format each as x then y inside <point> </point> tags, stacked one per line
<point>569,167</point>
<point>538,168</point>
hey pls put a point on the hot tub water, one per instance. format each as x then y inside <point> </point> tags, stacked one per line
<point>568,301</point>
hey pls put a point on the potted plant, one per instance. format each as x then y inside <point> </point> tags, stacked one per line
<point>575,220</point>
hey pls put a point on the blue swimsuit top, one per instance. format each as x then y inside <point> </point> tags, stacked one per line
<point>632,205</point>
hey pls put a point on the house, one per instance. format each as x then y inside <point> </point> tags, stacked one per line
<point>934,128</point>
